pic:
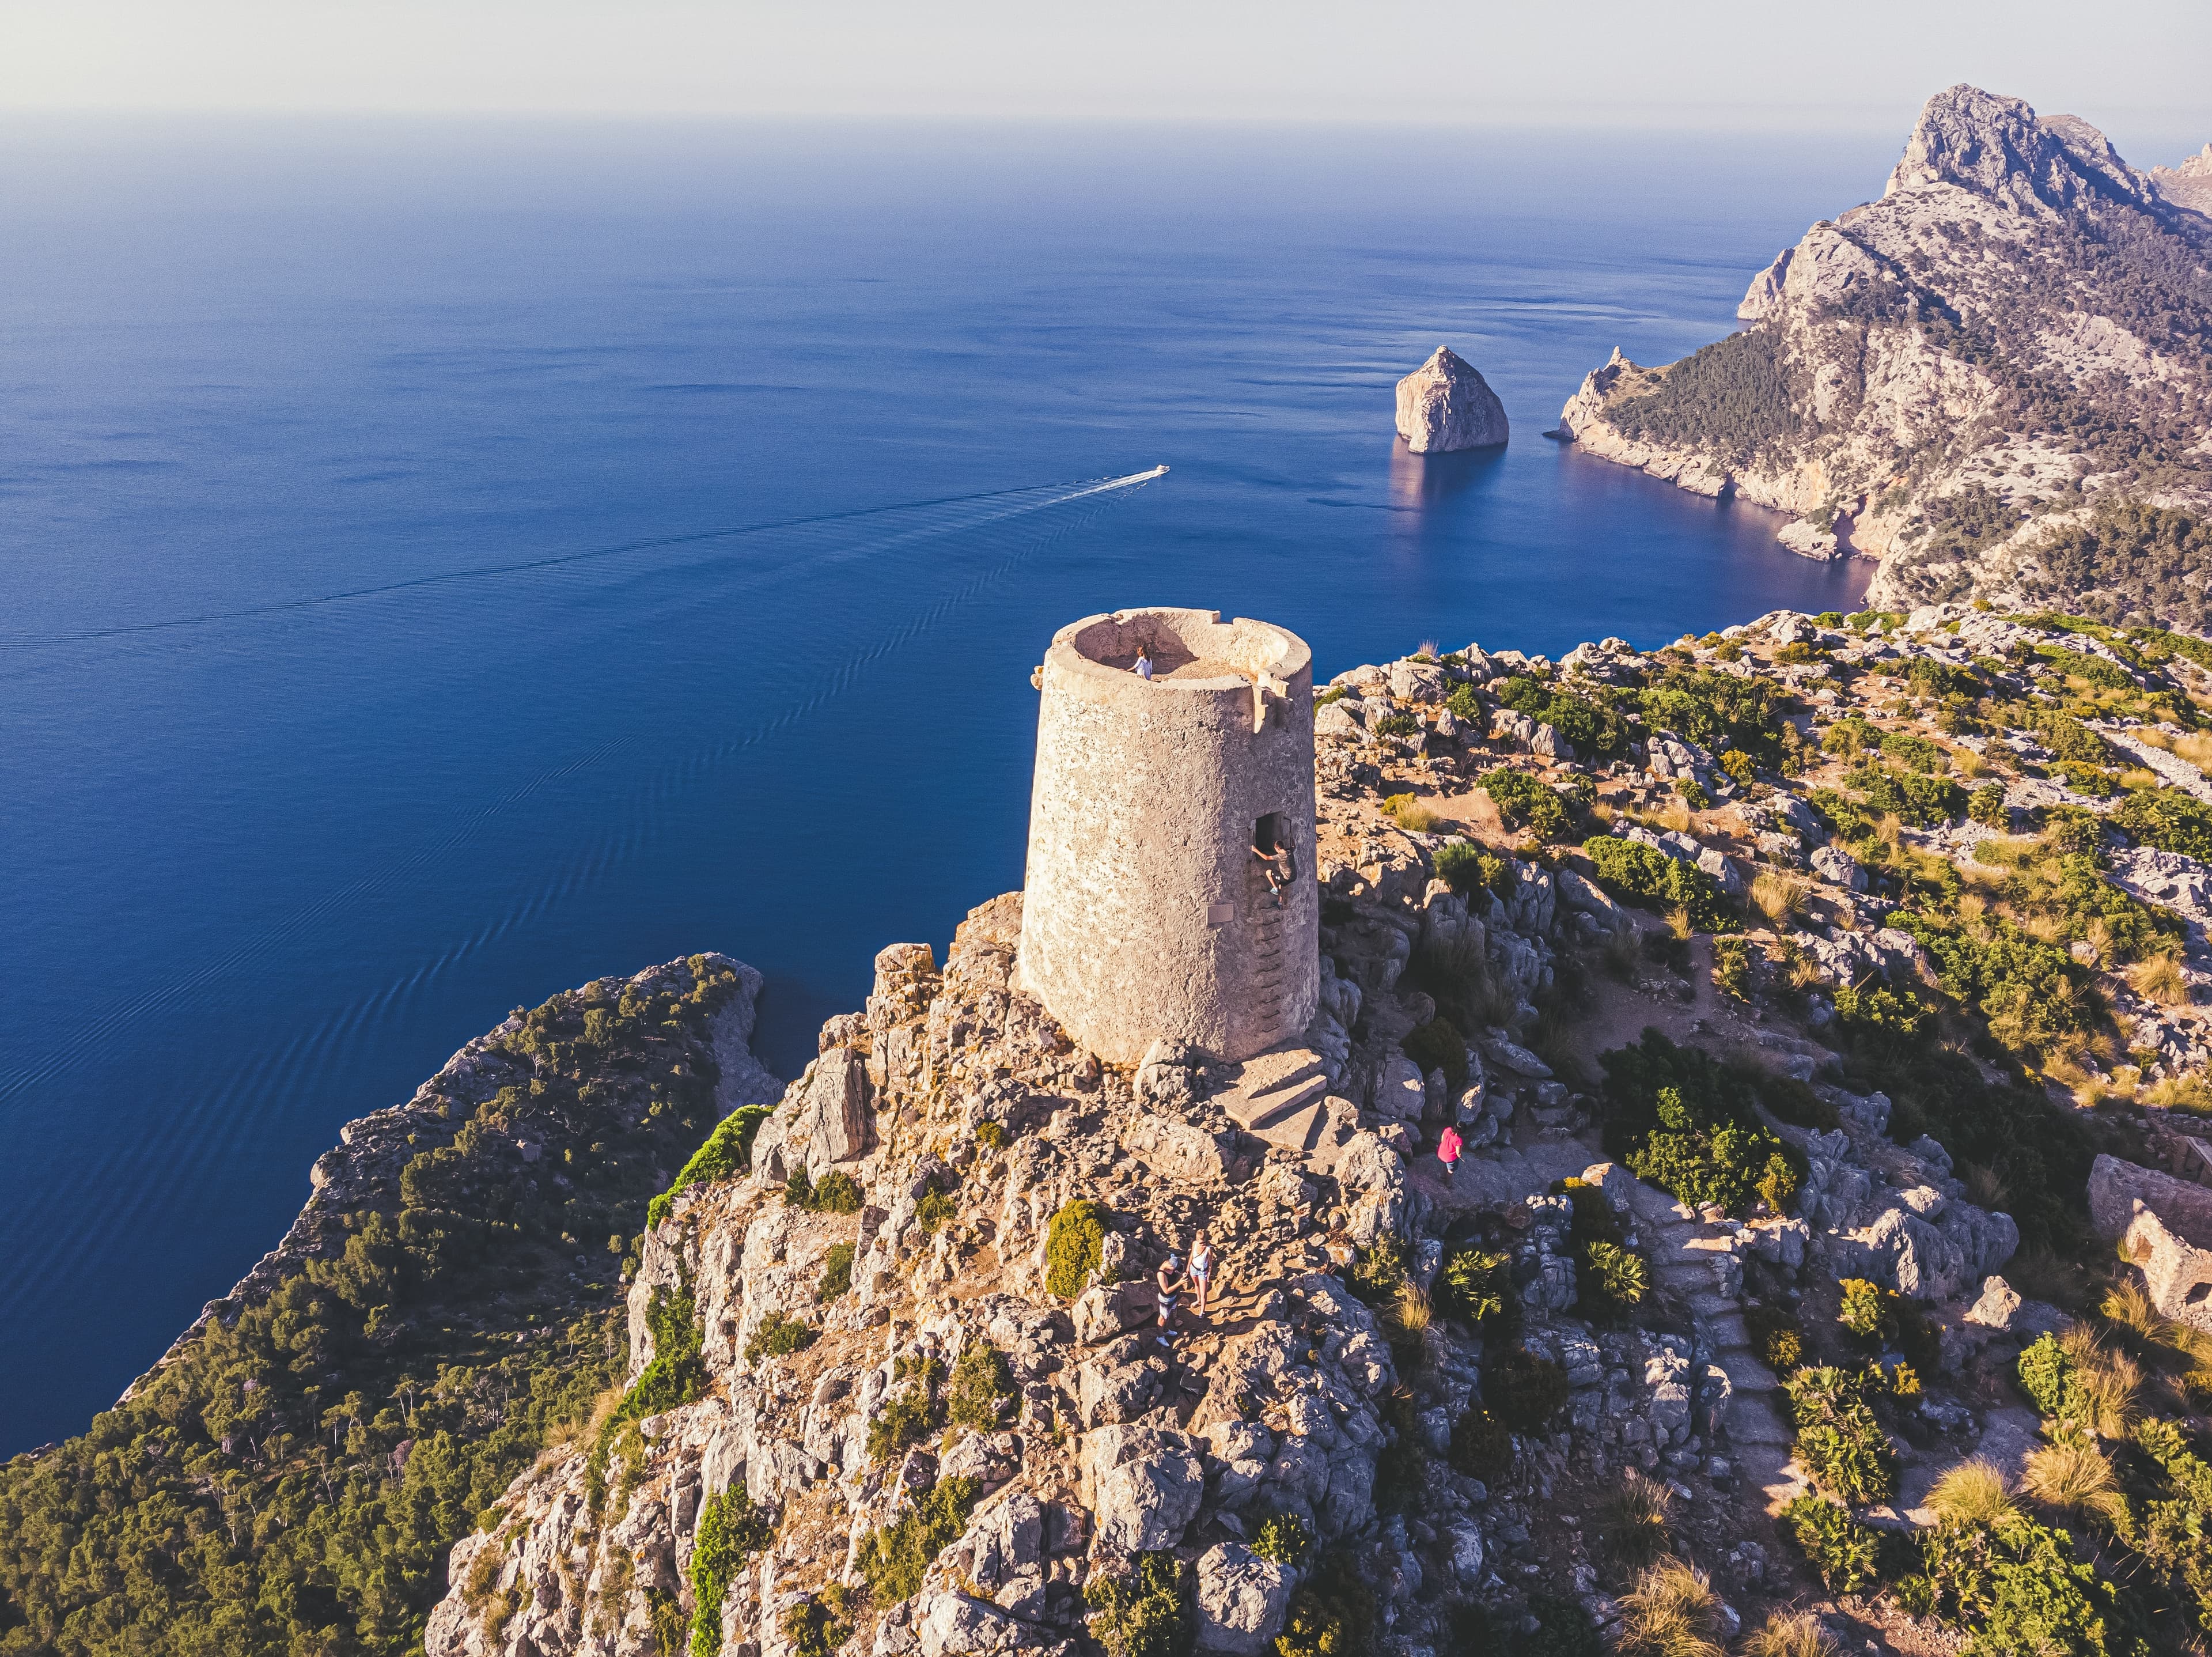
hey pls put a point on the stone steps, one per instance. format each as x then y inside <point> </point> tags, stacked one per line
<point>1281,1096</point>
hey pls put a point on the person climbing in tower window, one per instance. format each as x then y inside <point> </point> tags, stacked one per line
<point>1170,1280</point>
<point>1144,669</point>
<point>1275,864</point>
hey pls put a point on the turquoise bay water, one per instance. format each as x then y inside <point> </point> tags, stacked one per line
<point>444,565</point>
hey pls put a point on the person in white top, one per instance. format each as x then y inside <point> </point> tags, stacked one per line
<point>1202,1259</point>
<point>1144,668</point>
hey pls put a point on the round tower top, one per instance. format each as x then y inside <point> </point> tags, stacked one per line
<point>1190,649</point>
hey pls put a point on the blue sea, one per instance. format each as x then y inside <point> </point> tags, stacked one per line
<point>444,564</point>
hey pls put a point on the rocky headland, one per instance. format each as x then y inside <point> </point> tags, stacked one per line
<point>1997,379</point>
<point>1782,985</point>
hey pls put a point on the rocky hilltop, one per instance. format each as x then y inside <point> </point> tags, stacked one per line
<point>1782,987</point>
<point>1997,379</point>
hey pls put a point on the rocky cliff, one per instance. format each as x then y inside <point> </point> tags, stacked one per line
<point>1984,378</point>
<point>898,1385</point>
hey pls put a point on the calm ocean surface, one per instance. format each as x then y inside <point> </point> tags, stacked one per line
<point>444,565</point>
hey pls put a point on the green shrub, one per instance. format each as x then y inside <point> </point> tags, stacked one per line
<point>1378,1271</point>
<point>1923,801</point>
<point>1688,1124</point>
<point>1775,1337</point>
<point>1596,730</point>
<point>2036,997</point>
<point>894,1558</point>
<point>2068,738</point>
<point>1074,1245</point>
<point>1474,1286</point>
<point>1467,867</point>
<point>1732,967</point>
<point>731,1530</point>
<point>2046,1375</point>
<point>1914,752</point>
<point>1865,1310</point>
<point>1332,1614</point>
<point>1612,1279</point>
<point>2168,819</point>
<point>1841,1445</point>
<point>838,1193</point>
<point>1397,725</point>
<point>982,1381</point>
<point>728,1152</point>
<point>677,1373</point>
<point>1523,1390</point>
<point>1692,794</point>
<point>990,1135</point>
<point>778,1336</point>
<point>1284,1538</point>
<point>1522,801</point>
<point>836,1272</point>
<point>934,1210</point>
<point>1438,1046</point>
<point>1644,875</point>
<point>1148,1613</point>
<point>1738,765</point>
<point>1843,1552</point>
<point>2014,1586</point>
<point>813,1629</point>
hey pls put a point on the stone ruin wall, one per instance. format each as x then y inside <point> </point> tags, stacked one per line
<point>1145,914</point>
<point>2164,1227</point>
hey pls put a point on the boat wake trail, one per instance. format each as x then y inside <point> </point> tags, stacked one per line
<point>208,1116</point>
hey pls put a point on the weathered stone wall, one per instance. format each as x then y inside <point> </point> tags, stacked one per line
<point>2163,1226</point>
<point>1146,913</point>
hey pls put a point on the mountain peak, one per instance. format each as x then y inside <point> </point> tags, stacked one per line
<point>1999,147</point>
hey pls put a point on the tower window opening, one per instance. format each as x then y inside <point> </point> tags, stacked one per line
<point>1266,834</point>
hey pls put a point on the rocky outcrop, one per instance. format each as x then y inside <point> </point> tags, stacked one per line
<point>1924,379</point>
<point>1446,405</point>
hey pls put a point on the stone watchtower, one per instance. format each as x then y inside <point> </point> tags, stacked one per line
<point>1145,911</point>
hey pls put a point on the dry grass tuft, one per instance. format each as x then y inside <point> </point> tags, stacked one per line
<point>1679,921</point>
<point>2129,1305</point>
<point>2105,1383</point>
<point>2072,1477</point>
<point>1972,1492</point>
<point>2039,1273</point>
<point>2187,1092</point>
<point>1777,897</point>
<point>2160,978</point>
<point>1411,1311</point>
<point>1634,1521</point>
<point>1673,813</point>
<point>1672,1612</point>
<point>1986,1187</point>
<point>1791,1634</point>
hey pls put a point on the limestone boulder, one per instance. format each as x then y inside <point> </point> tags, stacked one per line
<point>1834,863</point>
<point>1446,405</point>
<point>1242,1600</point>
<point>1177,1151</point>
<point>1147,1484</point>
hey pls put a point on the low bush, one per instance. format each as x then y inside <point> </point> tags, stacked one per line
<point>1284,1538</point>
<point>1475,1287</point>
<point>935,1208</point>
<point>1613,1279</point>
<point>1074,1245</point>
<point>1563,1629</point>
<point>1635,1520</point>
<point>836,1272</point>
<point>727,1153</point>
<point>731,1532</point>
<point>1596,728</point>
<point>1732,967</point>
<point>778,1336</point>
<point>1149,1611</point>
<point>1332,1614</point>
<point>2168,819</point>
<point>813,1627</point>
<point>1689,1125</point>
<point>894,1558</point>
<point>1672,1612</point>
<point>1986,805</point>
<point>1524,1391</point>
<point>1649,878</point>
<point>1775,1337</point>
<point>1843,1552</point>
<point>1522,801</point>
<point>1865,1310</point>
<point>1438,1046</point>
<point>1378,1271</point>
<point>1911,797</point>
<point>1842,1446</point>
<point>2014,1586</point>
<point>1410,814</point>
<point>982,1383</point>
<point>1467,867</point>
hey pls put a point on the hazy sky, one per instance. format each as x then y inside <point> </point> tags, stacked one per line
<point>2133,66</point>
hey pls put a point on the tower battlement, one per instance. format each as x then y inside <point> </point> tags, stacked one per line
<point>1146,910</point>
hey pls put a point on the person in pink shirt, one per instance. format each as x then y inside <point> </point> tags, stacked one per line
<point>1448,1146</point>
